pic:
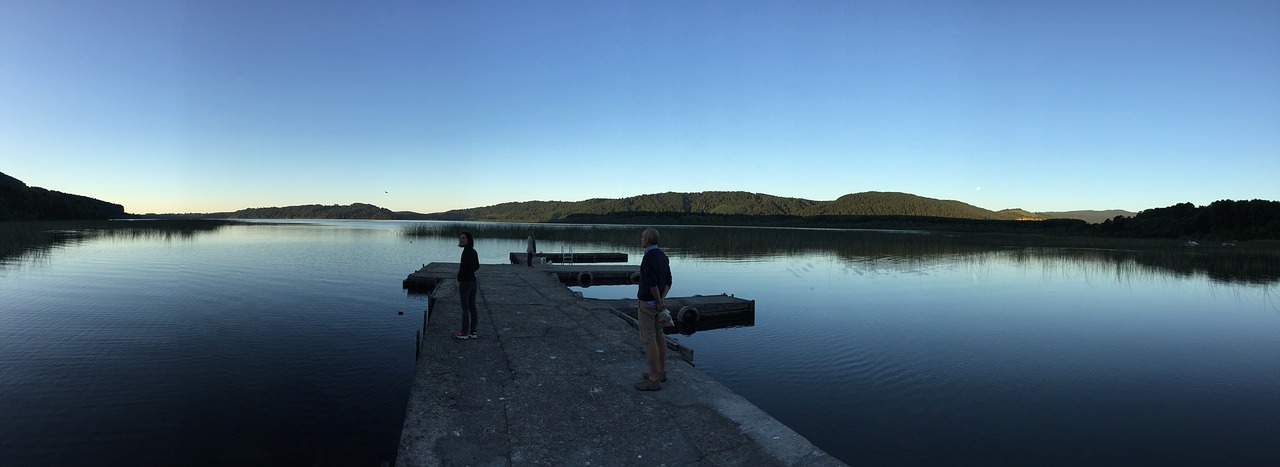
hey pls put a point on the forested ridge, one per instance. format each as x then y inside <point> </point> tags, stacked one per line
<point>733,203</point>
<point>315,211</point>
<point>19,202</point>
<point>1092,217</point>
<point>1224,219</point>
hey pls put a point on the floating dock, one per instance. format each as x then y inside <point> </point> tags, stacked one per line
<point>549,382</point>
<point>518,257</point>
<point>424,280</point>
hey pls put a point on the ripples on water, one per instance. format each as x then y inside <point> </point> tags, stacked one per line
<point>253,345</point>
<point>1002,357</point>
<point>280,344</point>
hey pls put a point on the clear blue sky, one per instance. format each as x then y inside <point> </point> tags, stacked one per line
<point>200,106</point>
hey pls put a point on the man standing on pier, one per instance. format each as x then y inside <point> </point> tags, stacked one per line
<point>655,282</point>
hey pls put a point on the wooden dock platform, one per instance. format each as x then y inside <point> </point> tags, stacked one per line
<point>594,274</point>
<point>424,280</point>
<point>714,311</point>
<point>518,257</point>
<point>549,382</point>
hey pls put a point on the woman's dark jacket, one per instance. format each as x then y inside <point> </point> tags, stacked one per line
<point>470,263</point>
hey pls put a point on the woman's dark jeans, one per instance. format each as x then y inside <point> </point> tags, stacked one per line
<point>467,292</point>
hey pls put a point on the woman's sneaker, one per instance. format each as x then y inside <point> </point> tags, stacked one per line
<point>462,335</point>
<point>473,336</point>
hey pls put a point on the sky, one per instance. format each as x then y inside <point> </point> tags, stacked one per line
<point>205,106</point>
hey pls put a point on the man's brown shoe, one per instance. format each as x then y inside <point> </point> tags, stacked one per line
<point>648,385</point>
<point>662,376</point>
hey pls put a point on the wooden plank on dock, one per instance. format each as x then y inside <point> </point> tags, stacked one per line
<point>424,280</point>
<point>518,257</point>
<point>589,275</point>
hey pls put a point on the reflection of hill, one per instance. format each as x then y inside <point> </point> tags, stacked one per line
<point>18,239</point>
<point>889,249</point>
<point>1219,265</point>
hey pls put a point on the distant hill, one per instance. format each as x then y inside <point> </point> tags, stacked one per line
<point>715,203</point>
<point>1021,214</point>
<point>1092,217</point>
<point>19,202</point>
<point>875,203</point>
<point>313,211</point>
<point>1225,219</point>
<point>870,203</point>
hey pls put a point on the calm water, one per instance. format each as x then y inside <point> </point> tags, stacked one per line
<point>282,344</point>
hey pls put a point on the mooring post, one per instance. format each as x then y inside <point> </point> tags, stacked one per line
<point>417,344</point>
<point>425,313</point>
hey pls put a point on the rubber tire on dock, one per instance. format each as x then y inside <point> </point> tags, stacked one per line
<point>687,314</point>
<point>584,279</point>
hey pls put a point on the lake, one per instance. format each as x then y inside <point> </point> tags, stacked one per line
<point>283,343</point>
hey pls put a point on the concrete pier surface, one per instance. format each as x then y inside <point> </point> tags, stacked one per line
<point>549,382</point>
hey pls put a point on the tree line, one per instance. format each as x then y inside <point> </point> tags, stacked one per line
<point>19,202</point>
<point>315,211</point>
<point>1220,220</point>
<point>730,203</point>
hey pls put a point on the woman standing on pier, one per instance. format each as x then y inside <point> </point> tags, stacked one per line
<point>467,268</point>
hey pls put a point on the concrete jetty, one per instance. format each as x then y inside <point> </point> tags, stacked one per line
<point>549,382</point>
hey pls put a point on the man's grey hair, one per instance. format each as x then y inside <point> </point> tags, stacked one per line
<point>650,236</point>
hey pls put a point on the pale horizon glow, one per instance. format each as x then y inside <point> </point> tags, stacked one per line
<point>184,106</point>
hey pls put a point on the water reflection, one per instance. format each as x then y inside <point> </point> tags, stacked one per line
<point>958,354</point>
<point>904,251</point>
<point>34,240</point>
<point>1226,266</point>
